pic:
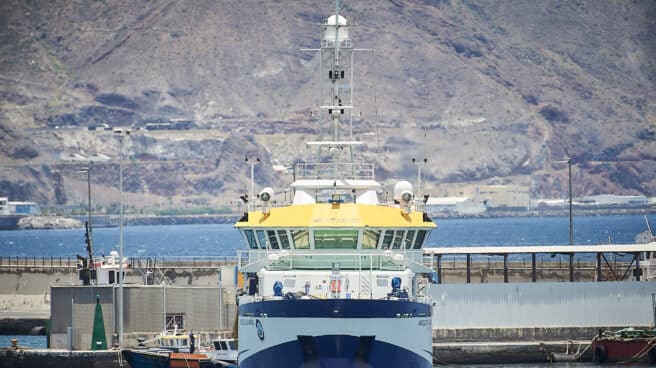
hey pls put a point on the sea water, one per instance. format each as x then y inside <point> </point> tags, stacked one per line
<point>37,342</point>
<point>225,240</point>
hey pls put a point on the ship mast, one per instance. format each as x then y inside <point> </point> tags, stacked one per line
<point>335,52</point>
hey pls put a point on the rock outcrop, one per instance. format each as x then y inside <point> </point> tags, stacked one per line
<point>48,222</point>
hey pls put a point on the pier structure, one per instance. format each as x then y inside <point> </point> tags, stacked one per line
<point>618,272</point>
<point>529,304</point>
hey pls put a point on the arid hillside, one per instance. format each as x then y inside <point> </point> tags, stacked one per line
<point>488,92</point>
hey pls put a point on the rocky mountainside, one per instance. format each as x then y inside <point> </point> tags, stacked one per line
<point>488,92</point>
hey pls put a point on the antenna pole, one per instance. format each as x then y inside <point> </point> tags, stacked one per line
<point>571,222</point>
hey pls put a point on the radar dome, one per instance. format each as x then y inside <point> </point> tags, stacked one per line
<point>403,191</point>
<point>266,194</point>
<point>331,25</point>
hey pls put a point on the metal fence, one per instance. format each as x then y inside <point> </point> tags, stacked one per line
<point>161,262</point>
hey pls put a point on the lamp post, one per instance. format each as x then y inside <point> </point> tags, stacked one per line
<point>251,195</point>
<point>121,133</point>
<point>89,227</point>
<point>87,170</point>
<point>569,179</point>
<point>419,163</point>
<point>568,160</point>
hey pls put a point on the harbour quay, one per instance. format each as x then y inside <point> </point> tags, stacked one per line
<point>58,358</point>
<point>477,317</point>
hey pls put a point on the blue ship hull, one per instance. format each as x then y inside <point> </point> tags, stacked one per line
<point>142,359</point>
<point>335,351</point>
<point>292,333</point>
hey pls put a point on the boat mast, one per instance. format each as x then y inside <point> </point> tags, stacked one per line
<point>336,49</point>
<point>335,79</point>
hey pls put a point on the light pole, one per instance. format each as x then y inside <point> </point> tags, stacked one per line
<point>568,161</point>
<point>419,163</point>
<point>89,227</point>
<point>121,133</point>
<point>569,179</point>
<point>251,195</point>
<point>571,222</point>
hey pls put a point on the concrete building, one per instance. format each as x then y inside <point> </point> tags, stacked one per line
<point>24,208</point>
<point>458,205</point>
<point>18,208</point>
<point>148,310</point>
<point>503,196</point>
<point>4,206</point>
<point>613,200</point>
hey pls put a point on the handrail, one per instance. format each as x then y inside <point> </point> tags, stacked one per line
<point>331,171</point>
<point>71,262</point>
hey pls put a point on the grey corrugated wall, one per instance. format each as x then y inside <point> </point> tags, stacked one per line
<point>543,304</point>
<point>144,310</point>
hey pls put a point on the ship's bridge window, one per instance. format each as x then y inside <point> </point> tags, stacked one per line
<point>250,239</point>
<point>330,196</point>
<point>284,239</point>
<point>370,238</point>
<point>409,237</point>
<point>398,238</point>
<point>301,239</point>
<point>335,239</point>
<point>273,239</point>
<point>421,235</point>
<point>387,239</point>
<point>261,238</point>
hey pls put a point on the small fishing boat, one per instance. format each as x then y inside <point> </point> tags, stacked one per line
<point>166,359</point>
<point>627,346</point>
<point>174,350</point>
<point>146,358</point>
<point>190,360</point>
<point>225,352</point>
<point>176,342</point>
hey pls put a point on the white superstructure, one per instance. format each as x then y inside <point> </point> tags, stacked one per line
<point>334,278</point>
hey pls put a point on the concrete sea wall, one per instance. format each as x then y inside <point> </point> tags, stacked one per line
<point>28,358</point>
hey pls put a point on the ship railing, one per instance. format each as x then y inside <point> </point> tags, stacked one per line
<point>415,206</point>
<point>331,171</point>
<point>390,260</point>
<point>325,44</point>
<point>245,299</point>
<point>182,262</point>
<point>419,206</point>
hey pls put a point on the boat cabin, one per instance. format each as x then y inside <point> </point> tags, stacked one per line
<point>178,342</point>
<point>105,270</point>
<point>225,350</point>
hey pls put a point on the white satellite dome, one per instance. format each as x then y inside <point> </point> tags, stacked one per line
<point>401,188</point>
<point>342,32</point>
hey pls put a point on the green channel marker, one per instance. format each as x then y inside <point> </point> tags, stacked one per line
<point>98,338</point>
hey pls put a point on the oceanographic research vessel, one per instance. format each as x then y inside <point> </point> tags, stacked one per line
<point>334,278</point>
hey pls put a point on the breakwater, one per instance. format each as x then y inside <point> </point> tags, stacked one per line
<point>55,358</point>
<point>58,222</point>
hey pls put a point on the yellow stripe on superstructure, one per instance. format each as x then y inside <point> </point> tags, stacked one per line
<point>335,215</point>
